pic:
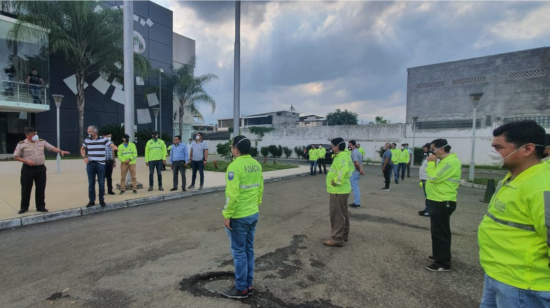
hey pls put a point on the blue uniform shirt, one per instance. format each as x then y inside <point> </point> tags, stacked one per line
<point>178,152</point>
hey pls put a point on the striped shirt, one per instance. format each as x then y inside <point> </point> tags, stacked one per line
<point>96,149</point>
<point>108,153</point>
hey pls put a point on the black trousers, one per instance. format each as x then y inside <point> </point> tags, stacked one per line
<point>179,167</point>
<point>387,175</point>
<point>440,219</point>
<point>36,174</point>
<point>321,161</point>
<point>109,174</point>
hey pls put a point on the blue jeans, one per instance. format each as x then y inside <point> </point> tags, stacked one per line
<point>500,295</point>
<point>395,172</point>
<point>155,164</point>
<point>93,170</point>
<point>197,165</point>
<point>241,240</point>
<point>354,181</point>
<point>312,167</point>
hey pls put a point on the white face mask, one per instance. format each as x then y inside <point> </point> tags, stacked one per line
<point>198,137</point>
<point>496,158</point>
<point>35,138</point>
<point>108,138</point>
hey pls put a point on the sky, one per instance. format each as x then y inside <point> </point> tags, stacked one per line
<point>354,55</point>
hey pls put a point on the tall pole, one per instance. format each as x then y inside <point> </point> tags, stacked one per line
<point>237,71</point>
<point>414,137</point>
<point>475,100</point>
<point>128,17</point>
<point>58,139</point>
<point>160,102</point>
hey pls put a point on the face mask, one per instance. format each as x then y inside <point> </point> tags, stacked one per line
<point>402,148</point>
<point>198,138</point>
<point>35,138</point>
<point>155,136</point>
<point>108,138</point>
<point>496,158</point>
<point>89,136</point>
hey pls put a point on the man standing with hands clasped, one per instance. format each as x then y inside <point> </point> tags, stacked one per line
<point>31,153</point>
<point>178,162</point>
<point>197,158</point>
<point>127,153</point>
<point>243,195</point>
<point>155,158</point>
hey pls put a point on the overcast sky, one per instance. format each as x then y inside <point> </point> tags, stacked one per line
<point>320,56</point>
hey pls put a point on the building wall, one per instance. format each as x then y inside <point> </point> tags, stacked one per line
<point>101,109</point>
<point>515,84</point>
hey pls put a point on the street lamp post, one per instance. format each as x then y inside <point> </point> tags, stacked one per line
<point>58,99</point>
<point>415,119</point>
<point>476,97</point>
<point>156,112</point>
<point>161,71</point>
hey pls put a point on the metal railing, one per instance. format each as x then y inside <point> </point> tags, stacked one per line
<point>25,93</point>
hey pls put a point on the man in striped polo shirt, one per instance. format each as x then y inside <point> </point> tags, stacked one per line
<point>93,153</point>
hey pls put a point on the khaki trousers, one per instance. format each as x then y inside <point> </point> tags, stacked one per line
<point>123,171</point>
<point>339,219</point>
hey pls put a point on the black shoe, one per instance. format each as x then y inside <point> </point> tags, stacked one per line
<point>102,203</point>
<point>111,193</point>
<point>234,293</point>
<point>250,291</point>
<point>90,204</point>
<point>431,258</point>
<point>438,268</point>
<point>135,191</point>
<point>22,212</point>
<point>200,188</point>
<point>396,182</point>
<point>424,213</point>
<point>173,189</point>
<point>408,176</point>
<point>150,188</point>
<point>160,188</point>
<point>191,187</point>
<point>353,205</point>
<point>121,192</point>
<point>183,189</point>
<point>43,210</point>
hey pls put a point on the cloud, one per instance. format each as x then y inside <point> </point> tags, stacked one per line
<point>528,27</point>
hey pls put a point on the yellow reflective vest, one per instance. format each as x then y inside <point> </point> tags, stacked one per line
<point>313,154</point>
<point>244,187</point>
<point>395,156</point>
<point>127,152</point>
<point>362,152</point>
<point>155,150</point>
<point>443,180</point>
<point>340,171</point>
<point>513,235</point>
<point>322,152</point>
<point>404,156</point>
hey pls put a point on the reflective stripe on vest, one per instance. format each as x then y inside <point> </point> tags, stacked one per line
<point>241,186</point>
<point>547,216</point>
<point>512,224</point>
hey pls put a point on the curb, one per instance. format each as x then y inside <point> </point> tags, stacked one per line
<point>84,211</point>
<point>472,185</point>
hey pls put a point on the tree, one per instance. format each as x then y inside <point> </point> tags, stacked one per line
<point>223,148</point>
<point>287,151</point>
<point>339,117</point>
<point>264,151</point>
<point>189,92</point>
<point>273,150</point>
<point>381,120</point>
<point>299,151</point>
<point>88,40</point>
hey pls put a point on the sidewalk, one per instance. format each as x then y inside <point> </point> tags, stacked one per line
<point>67,192</point>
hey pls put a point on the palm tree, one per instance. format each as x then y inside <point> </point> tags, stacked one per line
<point>381,120</point>
<point>89,40</point>
<point>189,92</point>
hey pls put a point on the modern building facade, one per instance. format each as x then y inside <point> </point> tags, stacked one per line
<point>277,119</point>
<point>515,86</point>
<point>155,40</point>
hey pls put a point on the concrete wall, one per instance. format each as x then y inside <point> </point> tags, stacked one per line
<point>515,84</point>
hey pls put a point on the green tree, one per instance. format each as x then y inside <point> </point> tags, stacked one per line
<point>381,120</point>
<point>223,148</point>
<point>264,151</point>
<point>273,150</point>
<point>88,40</point>
<point>299,152</point>
<point>287,151</point>
<point>340,117</point>
<point>189,92</point>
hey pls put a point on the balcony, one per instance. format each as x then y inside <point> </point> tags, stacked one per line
<point>20,97</point>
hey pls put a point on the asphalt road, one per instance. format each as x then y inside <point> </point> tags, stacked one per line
<point>148,256</point>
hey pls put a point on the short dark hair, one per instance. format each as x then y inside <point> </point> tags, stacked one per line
<point>177,136</point>
<point>353,142</point>
<point>523,132</point>
<point>243,146</point>
<point>427,145</point>
<point>29,129</point>
<point>200,134</point>
<point>393,143</point>
<point>441,143</point>
<point>336,142</point>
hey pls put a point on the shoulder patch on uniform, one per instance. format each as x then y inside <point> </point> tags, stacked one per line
<point>231,175</point>
<point>22,141</point>
<point>40,139</point>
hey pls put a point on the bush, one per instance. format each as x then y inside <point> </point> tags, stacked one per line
<point>299,152</point>
<point>418,156</point>
<point>223,148</point>
<point>287,152</point>
<point>381,151</point>
<point>254,152</point>
<point>273,150</point>
<point>264,151</point>
<point>279,151</point>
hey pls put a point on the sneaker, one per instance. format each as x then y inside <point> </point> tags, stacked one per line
<point>121,192</point>
<point>234,293</point>
<point>102,203</point>
<point>396,182</point>
<point>183,189</point>
<point>111,193</point>
<point>438,268</point>
<point>250,291</point>
<point>150,188</point>
<point>353,205</point>
<point>191,187</point>
<point>424,213</point>
<point>431,258</point>
<point>200,188</point>
<point>160,188</point>
<point>385,189</point>
<point>135,191</point>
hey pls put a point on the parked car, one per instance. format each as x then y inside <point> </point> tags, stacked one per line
<point>328,155</point>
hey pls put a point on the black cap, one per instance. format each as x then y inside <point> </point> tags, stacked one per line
<point>29,129</point>
<point>155,132</point>
<point>126,136</point>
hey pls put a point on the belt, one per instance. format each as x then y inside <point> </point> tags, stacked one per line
<point>25,165</point>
